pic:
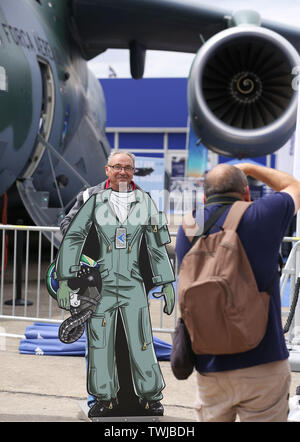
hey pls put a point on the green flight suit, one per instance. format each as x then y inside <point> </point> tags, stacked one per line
<point>122,289</point>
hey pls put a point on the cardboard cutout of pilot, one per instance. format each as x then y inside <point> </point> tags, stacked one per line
<point>124,223</point>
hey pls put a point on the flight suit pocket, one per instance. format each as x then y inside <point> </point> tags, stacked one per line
<point>104,273</point>
<point>97,331</point>
<point>136,275</point>
<point>145,326</point>
<point>92,381</point>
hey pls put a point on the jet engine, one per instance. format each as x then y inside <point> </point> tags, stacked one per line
<point>241,92</point>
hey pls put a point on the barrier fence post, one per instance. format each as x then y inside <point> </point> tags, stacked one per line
<point>19,271</point>
<point>295,351</point>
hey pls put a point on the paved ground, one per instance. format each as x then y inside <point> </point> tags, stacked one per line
<point>51,388</point>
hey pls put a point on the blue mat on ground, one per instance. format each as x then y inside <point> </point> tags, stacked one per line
<point>42,339</point>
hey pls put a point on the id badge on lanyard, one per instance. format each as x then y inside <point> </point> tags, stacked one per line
<point>120,239</point>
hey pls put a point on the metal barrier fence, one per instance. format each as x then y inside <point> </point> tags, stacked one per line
<point>25,257</point>
<point>289,275</point>
<point>26,254</point>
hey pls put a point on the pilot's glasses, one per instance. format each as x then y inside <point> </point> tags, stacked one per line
<point>118,168</point>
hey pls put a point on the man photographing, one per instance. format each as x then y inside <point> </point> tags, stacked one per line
<point>253,385</point>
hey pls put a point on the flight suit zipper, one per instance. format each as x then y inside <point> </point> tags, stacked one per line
<point>106,240</point>
<point>118,268</point>
<point>133,238</point>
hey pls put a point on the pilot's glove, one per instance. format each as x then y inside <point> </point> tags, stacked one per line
<point>63,295</point>
<point>169,297</point>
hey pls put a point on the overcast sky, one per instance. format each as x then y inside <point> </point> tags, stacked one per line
<point>171,64</point>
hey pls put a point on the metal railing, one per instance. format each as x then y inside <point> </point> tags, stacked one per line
<point>289,275</point>
<point>23,292</point>
<point>25,257</point>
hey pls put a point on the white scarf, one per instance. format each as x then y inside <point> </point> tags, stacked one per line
<point>121,202</point>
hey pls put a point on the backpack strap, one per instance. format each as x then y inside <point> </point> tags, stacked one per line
<point>210,222</point>
<point>235,214</point>
<point>232,221</point>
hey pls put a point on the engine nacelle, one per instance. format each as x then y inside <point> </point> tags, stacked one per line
<point>240,92</point>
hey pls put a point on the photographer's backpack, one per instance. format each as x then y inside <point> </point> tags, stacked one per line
<point>218,296</point>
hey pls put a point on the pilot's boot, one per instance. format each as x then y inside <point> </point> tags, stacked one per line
<point>151,408</point>
<point>103,408</point>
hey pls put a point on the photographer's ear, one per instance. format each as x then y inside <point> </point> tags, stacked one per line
<point>247,195</point>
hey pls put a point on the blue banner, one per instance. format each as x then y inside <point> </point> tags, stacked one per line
<point>197,156</point>
<point>150,176</point>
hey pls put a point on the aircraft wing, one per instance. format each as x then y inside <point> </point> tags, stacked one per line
<point>291,33</point>
<point>170,25</point>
